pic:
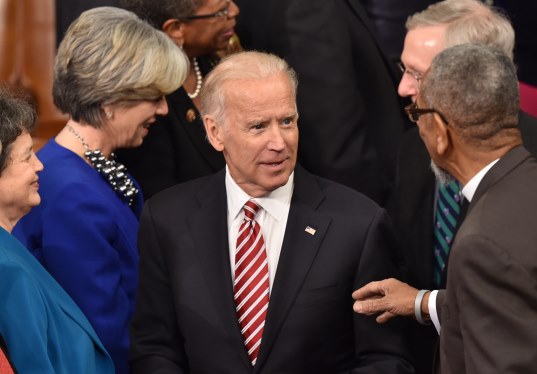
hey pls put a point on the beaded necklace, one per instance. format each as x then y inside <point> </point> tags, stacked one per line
<point>112,171</point>
<point>199,80</point>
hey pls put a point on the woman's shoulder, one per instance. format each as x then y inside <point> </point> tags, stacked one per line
<point>63,167</point>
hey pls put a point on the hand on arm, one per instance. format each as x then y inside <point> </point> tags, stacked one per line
<point>389,297</point>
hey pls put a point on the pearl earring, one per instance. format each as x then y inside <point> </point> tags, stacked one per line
<point>109,115</point>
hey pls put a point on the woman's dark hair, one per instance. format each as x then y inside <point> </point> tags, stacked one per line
<point>17,115</point>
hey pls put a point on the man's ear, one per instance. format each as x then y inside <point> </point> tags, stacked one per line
<point>175,29</point>
<point>214,132</point>
<point>443,136</point>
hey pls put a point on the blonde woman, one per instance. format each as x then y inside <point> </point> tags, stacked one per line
<point>111,73</point>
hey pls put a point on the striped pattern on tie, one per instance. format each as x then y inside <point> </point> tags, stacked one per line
<point>447,213</point>
<point>251,286</point>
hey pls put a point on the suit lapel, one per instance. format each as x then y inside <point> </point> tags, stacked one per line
<point>213,250</point>
<point>76,315</point>
<point>58,295</point>
<point>297,255</point>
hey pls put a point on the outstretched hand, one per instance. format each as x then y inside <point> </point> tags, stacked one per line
<point>389,297</point>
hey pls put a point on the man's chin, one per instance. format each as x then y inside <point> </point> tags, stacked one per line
<point>442,176</point>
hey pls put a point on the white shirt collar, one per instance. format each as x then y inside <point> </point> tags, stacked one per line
<point>469,189</point>
<point>274,203</point>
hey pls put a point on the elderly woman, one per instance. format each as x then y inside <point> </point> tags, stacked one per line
<point>42,330</point>
<point>111,73</point>
<point>177,149</point>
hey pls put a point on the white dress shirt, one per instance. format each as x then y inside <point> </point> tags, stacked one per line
<point>272,218</point>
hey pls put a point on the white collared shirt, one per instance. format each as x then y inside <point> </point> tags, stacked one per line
<point>468,191</point>
<point>272,219</point>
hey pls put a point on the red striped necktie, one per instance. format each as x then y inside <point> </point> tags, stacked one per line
<point>251,286</point>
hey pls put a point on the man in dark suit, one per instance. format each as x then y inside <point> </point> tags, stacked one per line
<point>312,241</point>
<point>413,209</point>
<point>350,116</point>
<point>488,310</point>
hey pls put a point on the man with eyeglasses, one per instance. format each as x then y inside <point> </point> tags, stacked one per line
<point>467,116</point>
<point>416,205</point>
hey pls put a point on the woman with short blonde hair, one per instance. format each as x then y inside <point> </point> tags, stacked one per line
<point>111,73</point>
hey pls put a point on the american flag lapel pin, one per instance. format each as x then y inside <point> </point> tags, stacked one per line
<point>310,230</point>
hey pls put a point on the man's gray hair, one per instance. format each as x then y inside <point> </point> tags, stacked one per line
<point>476,88</point>
<point>468,21</point>
<point>243,65</point>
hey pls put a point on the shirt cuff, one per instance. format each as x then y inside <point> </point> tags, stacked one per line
<point>433,314</point>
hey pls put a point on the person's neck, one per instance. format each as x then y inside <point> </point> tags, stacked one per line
<point>472,160</point>
<point>7,222</point>
<point>79,138</point>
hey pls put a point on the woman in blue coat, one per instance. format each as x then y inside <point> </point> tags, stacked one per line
<point>111,73</point>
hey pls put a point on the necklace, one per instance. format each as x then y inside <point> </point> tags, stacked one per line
<point>199,80</point>
<point>113,172</point>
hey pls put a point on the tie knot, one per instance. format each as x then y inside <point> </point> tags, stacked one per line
<point>250,209</point>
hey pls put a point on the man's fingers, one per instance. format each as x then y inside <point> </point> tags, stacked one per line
<point>371,289</point>
<point>385,317</point>
<point>369,306</point>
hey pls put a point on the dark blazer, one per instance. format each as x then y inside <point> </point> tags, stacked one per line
<point>351,119</point>
<point>176,149</point>
<point>489,308</point>
<point>68,10</point>
<point>412,212</point>
<point>389,18</point>
<point>185,321</point>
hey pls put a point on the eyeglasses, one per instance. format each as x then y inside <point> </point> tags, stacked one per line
<point>414,112</point>
<point>221,13</point>
<point>414,74</point>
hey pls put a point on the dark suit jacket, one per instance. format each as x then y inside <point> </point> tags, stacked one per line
<point>68,10</point>
<point>489,308</point>
<point>412,213</point>
<point>185,321</point>
<point>389,18</point>
<point>176,149</point>
<point>351,119</point>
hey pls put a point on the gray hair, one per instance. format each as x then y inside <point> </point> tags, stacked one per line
<point>468,21</point>
<point>156,12</point>
<point>476,88</point>
<point>16,116</point>
<point>111,57</point>
<point>243,65</point>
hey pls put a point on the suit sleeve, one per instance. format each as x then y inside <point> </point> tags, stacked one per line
<point>379,348</point>
<point>156,346</point>
<point>439,301</point>
<point>495,298</point>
